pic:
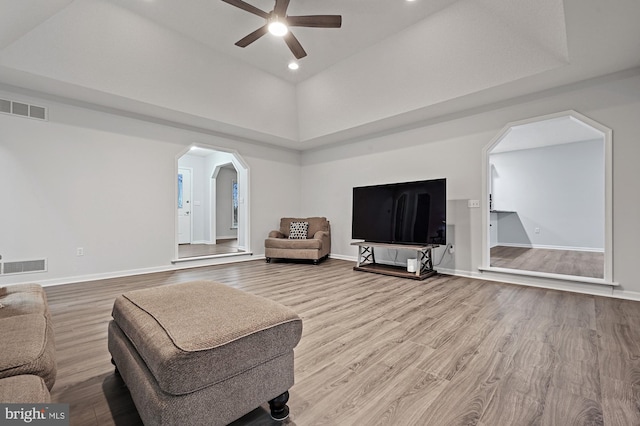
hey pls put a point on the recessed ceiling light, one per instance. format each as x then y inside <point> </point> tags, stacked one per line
<point>293,66</point>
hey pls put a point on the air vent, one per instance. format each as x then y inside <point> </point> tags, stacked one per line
<point>24,266</point>
<point>22,109</point>
<point>19,108</point>
<point>37,112</point>
<point>5,106</point>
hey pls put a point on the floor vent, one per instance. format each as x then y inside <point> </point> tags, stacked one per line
<point>24,266</point>
<point>23,110</point>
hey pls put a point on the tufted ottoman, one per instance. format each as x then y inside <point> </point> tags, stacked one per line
<point>203,353</point>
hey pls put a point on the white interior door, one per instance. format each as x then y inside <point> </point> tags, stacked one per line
<point>184,206</point>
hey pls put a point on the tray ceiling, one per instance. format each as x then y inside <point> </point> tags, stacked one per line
<point>391,63</point>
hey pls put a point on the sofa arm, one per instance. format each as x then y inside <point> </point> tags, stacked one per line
<point>276,234</point>
<point>320,235</point>
<point>325,237</point>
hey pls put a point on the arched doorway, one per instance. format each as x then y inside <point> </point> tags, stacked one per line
<point>218,214</point>
<point>548,188</point>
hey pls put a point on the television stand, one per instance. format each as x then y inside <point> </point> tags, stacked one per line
<point>367,260</point>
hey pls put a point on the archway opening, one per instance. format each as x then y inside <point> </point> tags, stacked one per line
<point>212,216</point>
<point>548,188</point>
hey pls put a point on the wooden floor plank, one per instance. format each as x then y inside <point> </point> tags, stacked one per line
<point>620,402</point>
<point>512,408</point>
<point>565,408</point>
<point>464,400</point>
<point>407,401</point>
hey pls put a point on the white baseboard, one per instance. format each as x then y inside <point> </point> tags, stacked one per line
<point>104,276</point>
<point>343,257</point>
<point>625,294</point>
<point>574,287</point>
<point>457,273</point>
<point>192,263</point>
<point>583,288</point>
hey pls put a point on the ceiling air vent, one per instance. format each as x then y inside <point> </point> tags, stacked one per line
<point>22,109</point>
<point>24,266</point>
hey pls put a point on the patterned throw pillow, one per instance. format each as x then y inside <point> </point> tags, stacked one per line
<point>298,230</point>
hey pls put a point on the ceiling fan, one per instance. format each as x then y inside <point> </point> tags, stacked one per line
<point>277,22</point>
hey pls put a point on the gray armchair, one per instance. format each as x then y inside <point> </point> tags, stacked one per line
<point>291,242</point>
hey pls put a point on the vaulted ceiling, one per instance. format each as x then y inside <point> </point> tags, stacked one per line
<point>393,63</point>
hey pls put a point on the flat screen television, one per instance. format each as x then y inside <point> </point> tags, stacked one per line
<point>401,213</point>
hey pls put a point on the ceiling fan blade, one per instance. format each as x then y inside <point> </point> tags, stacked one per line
<point>281,7</point>
<point>317,21</point>
<point>244,42</point>
<point>249,8</point>
<point>294,45</point>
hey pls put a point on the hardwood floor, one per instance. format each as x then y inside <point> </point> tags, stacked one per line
<point>379,350</point>
<point>220,247</point>
<point>565,262</point>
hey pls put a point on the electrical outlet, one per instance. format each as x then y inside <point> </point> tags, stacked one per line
<point>537,230</point>
<point>79,251</point>
<point>473,204</point>
<point>451,249</point>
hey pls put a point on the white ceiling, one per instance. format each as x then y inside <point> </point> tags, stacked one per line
<point>219,25</point>
<point>393,63</point>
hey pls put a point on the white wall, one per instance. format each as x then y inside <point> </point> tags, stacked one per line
<point>453,149</point>
<point>557,190</point>
<point>107,184</point>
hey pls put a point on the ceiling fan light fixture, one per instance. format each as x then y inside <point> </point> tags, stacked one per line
<point>277,27</point>
<point>277,23</point>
